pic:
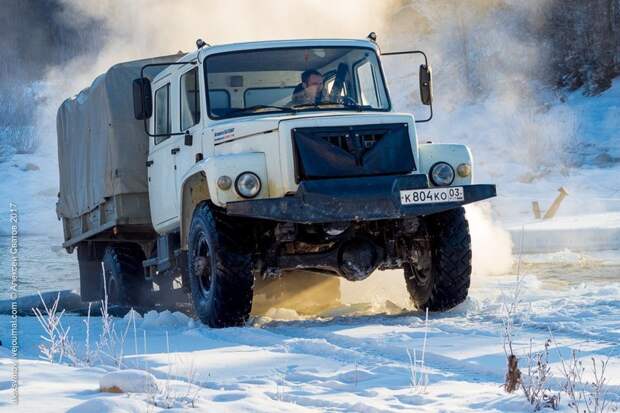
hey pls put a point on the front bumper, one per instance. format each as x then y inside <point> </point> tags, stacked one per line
<point>351,199</point>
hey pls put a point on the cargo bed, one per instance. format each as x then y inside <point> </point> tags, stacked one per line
<point>126,215</point>
<point>102,153</point>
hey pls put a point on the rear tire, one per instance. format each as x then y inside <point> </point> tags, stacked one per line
<point>442,282</point>
<point>124,276</point>
<point>220,270</point>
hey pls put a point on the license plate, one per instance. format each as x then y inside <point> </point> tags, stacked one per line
<point>431,196</point>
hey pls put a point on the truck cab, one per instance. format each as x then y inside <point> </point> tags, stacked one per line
<point>237,102</point>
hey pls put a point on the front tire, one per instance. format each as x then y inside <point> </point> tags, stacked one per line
<point>220,270</point>
<point>439,279</point>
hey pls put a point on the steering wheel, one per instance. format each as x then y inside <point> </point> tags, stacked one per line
<point>347,100</point>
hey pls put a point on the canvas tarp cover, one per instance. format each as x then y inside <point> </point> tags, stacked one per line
<point>102,148</point>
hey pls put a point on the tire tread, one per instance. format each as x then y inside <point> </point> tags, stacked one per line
<point>451,263</point>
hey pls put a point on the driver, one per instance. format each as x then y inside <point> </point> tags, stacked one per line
<point>310,90</point>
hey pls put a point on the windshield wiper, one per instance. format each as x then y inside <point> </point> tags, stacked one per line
<point>347,104</point>
<point>258,107</point>
<point>315,105</point>
<point>357,106</point>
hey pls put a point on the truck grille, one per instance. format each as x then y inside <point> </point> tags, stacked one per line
<point>346,151</point>
<point>353,143</point>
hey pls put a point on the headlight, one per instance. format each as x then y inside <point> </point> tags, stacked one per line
<point>248,185</point>
<point>441,174</point>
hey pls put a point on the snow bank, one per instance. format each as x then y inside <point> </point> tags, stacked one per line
<point>165,319</point>
<point>111,405</point>
<point>128,381</point>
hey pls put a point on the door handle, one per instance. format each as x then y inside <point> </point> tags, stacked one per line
<point>174,151</point>
<point>189,139</point>
<point>149,163</point>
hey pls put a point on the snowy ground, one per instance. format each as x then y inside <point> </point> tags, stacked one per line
<point>350,362</point>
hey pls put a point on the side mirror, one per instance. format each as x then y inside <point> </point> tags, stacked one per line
<point>142,98</point>
<point>426,87</point>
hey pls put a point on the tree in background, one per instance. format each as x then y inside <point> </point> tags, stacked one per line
<point>585,38</point>
<point>34,35</point>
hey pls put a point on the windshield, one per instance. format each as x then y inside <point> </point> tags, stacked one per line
<point>294,79</point>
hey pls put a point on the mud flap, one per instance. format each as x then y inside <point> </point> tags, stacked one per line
<point>91,271</point>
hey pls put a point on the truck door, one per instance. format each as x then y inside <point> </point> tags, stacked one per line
<point>161,173</point>
<point>189,122</point>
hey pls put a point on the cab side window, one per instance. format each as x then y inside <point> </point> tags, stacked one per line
<point>190,99</point>
<point>162,113</point>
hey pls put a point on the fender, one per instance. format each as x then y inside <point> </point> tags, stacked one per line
<point>451,153</point>
<point>200,184</point>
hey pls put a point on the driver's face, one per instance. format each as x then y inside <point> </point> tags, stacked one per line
<point>314,86</point>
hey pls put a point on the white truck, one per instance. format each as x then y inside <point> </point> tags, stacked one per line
<point>196,174</point>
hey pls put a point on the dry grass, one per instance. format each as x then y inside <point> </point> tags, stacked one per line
<point>534,382</point>
<point>418,374</point>
<point>586,395</point>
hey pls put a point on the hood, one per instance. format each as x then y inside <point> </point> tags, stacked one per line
<point>252,125</point>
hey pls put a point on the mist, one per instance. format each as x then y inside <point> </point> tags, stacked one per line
<point>140,29</point>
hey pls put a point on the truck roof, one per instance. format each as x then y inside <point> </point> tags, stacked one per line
<point>267,44</point>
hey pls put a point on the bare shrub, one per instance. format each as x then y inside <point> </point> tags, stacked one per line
<point>22,138</point>
<point>106,345</point>
<point>534,382</point>
<point>510,312</point>
<point>169,397</point>
<point>586,396</point>
<point>6,151</point>
<point>513,374</point>
<point>56,341</point>
<point>58,346</point>
<point>89,354</point>
<point>418,374</point>
<point>111,344</point>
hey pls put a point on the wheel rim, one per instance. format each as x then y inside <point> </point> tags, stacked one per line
<point>420,265</point>
<point>421,275</point>
<point>202,265</point>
